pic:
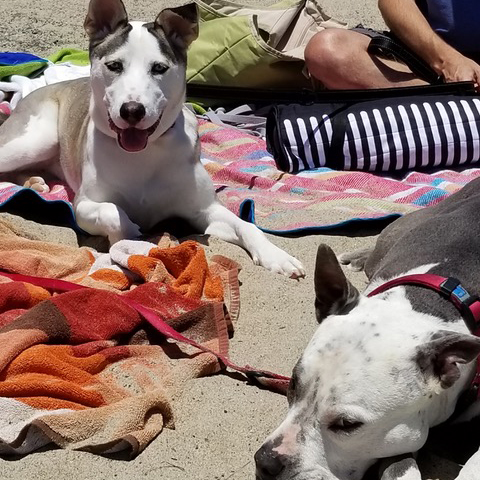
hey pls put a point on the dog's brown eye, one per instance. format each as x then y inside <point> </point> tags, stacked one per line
<point>343,425</point>
<point>159,68</point>
<point>116,67</point>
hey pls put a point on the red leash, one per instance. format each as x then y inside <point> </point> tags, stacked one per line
<point>468,305</point>
<point>271,380</point>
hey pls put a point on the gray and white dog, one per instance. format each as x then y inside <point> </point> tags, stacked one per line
<point>380,371</point>
<point>123,140</point>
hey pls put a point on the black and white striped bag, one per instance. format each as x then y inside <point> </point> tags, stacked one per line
<point>389,134</point>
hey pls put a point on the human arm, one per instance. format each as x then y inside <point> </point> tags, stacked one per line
<point>407,22</point>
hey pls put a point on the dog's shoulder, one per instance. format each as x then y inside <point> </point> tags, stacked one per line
<point>72,93</point>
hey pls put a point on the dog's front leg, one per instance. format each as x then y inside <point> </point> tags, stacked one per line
<point>471,470</point>
<point>106,219</point>
<point>355,260</point>
<point>221,222</point>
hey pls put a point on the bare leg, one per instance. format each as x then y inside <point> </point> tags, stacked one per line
<point>339,60</point>
<point>221,222</point>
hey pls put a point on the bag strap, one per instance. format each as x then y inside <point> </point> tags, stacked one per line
<point>420,68</point>
<point>265,97</point>
<point>273,381</point>
<point>334,156</point>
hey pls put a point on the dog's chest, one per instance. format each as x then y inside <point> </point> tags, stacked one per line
<point>149,186</point>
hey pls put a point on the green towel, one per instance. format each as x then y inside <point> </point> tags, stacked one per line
<point>27,69</point>
<point>34,69</point>
<point>71,55</point>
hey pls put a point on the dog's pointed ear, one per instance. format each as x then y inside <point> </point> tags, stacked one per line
<point>180,24</point>
<point>334,294</point>
<point>104,17</point>
<point>442,354</point>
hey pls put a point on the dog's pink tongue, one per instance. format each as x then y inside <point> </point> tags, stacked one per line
<point>133,139</point>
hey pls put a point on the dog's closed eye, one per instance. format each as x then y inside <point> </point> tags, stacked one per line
<point>115,66</point>
<point>158,68</point>
<point>345,425</point>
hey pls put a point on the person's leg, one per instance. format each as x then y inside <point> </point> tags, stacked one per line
<point>339,59</point>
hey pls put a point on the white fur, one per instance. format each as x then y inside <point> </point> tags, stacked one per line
<point>110,91</point>
<point>362,366</point>
<point>118,192</point>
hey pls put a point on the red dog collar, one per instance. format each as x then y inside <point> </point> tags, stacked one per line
<point>468,305</point>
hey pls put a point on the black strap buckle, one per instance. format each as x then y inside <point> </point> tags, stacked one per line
<point>451,287</point>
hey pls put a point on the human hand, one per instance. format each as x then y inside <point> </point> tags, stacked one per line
<point>455,67</point>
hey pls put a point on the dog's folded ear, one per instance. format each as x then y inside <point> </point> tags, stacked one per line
<point>104,17</point>
<point>180,24</point>
<point>334,294</point>
<point>442,354</point>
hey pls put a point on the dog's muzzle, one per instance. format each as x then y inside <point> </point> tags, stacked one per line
<point>269,463</point>
<point>133,139</point>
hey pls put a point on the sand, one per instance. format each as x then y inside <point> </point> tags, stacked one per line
<point>221,421</point>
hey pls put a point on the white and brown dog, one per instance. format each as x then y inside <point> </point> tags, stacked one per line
<point>123,140</point>
<point>386,366</point>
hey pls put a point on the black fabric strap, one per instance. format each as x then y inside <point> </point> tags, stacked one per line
<point>222,95</point>
<point>275,140</point>
<point>334,156</point>
<point>379,45</point>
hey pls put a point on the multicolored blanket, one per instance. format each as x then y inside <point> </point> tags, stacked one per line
<point>82,369</point>
<point>249,184</point>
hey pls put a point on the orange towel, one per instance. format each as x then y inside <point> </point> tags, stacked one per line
<point>81,369</point>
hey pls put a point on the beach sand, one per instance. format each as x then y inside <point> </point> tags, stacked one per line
<point>221,421</point>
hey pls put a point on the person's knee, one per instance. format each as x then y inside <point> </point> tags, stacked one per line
<point>324,49</point>
<point>329,52</point>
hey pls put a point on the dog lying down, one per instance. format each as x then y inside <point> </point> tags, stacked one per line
<point>123,140</point>
<point>381,370</point>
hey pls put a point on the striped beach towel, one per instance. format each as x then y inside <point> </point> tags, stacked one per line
<point>379,136</point>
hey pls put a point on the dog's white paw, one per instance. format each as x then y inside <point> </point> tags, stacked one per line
<point>355,260</point>
<point>403,469</point>
<point>115,223</point>
<point>276,260</point>
<point>38,184</point>
<point>130,233</point>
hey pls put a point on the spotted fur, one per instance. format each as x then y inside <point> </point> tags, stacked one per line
<point>376,376</point>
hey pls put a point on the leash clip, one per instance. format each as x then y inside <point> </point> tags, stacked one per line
<point>254,374</point>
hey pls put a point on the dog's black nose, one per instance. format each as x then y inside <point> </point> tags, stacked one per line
<point>269,463</point>
<point>132,112</point>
